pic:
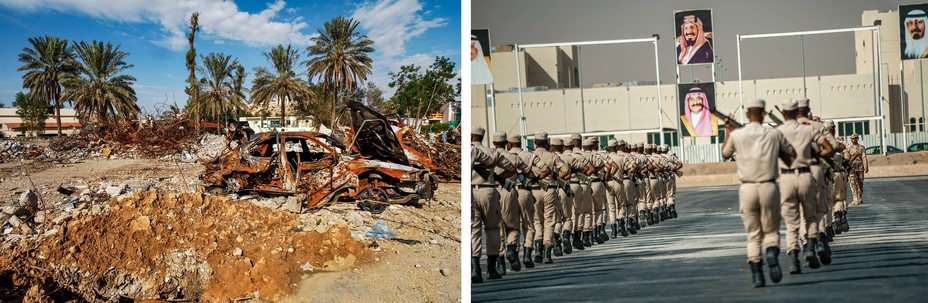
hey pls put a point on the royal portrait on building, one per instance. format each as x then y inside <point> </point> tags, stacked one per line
<point>693,38</point>
<point>696,101</point>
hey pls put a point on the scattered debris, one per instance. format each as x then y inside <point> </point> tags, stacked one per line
<point>380,231</point>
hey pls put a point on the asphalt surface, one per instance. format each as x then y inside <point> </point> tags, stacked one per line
<point>700,257</point>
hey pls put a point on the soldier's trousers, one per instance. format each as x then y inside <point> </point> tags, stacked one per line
<point>577,214</point>
<point>672,191</point>
<point>585,207</point>
<point>654,192</point>
<point>840,192</point>
<point>527,208</point>
<point>485,214</point>
<point>616,202</point>
<point>545,209</point>
<point>644,186</point>
<point>797,192</point>
<point>631,197</point>
<point>599,193</point>
<point>566,215</point>
<point>509,215</point>
<point>856,180</point>
<point>759,205</point>
<point>823,207</point>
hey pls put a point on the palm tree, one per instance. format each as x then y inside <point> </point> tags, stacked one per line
<point>101,89</point>
<point>283,83</point>
<point>339,57</point>
<point>47,63</point>
<point>219,85</point>
<point>237,99</point>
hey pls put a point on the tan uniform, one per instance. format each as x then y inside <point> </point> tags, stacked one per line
<point>656,182</point>
<point>616,196</point>
<point>583,194</point>
<point>546,201</point>
<point>672,182</point>
<point>798,189</point>
<point>485,207</point>
<point>509,199</point>
<point>825,203</point>
<point>568,212</point>
<point>644,190</point>
<point>855,154</point>
<point>526,198</point>
<point>597,188</point>
<point>630,187</point>
<point>758,197</point>
<point>839,191</point>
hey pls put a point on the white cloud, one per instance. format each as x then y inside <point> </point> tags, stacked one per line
<point>218,18</point>
<point>391,24</point>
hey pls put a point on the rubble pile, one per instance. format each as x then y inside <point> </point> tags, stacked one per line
<point>153,245</point>
<point>443,158</point>
<point>11,149</point>
<point>153,138</point>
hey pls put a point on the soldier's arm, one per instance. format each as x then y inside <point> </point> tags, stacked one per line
<point>563,170</point>
<point>787,153</point>
<point>509,169</point>
<point>478,157</point>
<point>826,147</point>
<point>866,163</point>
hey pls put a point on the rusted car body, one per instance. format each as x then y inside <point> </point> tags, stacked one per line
<point>442,158</point>
<point>368,168</point>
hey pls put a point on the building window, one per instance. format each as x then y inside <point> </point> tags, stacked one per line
<point>853,127</point>
<point>670,138</point>
<point>530,144</point>
<point>721,137</point>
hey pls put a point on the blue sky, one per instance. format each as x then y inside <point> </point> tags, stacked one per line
<point>153,33</point>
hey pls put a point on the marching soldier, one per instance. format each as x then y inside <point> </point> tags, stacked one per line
<point>617,197</point>
<point>584,204</point>
<point>597,192</point>
<point>758,197</point>
<point>566,214</point>
<point>630,184</point>
<point>485,206</point>
<point>819,169</point>
<point>526,199</point>
<point>839,192</point>
<point>644,165</point>
<point>859,166</point>
<point>576,165</point>
<point>676,165</point>
<point>653,199</point>
<point>547,196</point>
<point>798,188</point>
<point>509,204</point>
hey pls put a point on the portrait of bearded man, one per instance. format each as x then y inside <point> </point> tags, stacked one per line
<point>913,31</point>
<point>693,42</point>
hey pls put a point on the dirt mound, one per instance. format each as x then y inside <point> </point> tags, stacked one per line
<point>165,246</point>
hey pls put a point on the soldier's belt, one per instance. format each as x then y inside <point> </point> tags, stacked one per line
<point>484,186</point>
<point>757,182</point>
<point>795,170</point>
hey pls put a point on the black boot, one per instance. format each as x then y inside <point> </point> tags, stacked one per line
<point>647,215</point>
<point>633,226</point>
<point>527,257</point>
<point>773,262</point>
<point>757,274</point>
<point>501,265</point>
<point>673,211</point>
<point>663,214</point>
<point>615,229</point>
<point>838,224</point>
<point>476,275</point>
<point>539,250</point>
<point>830,231</point>
<point>794,266</point>
<point>824,250</point>
<point>565,239</point>
<point>548,251</point>
<point>602,234</point>
<point>809,253</point>
<point>844,222</point>
<point>557,245</point>
<point>578,242</point>
<point>587,238</point>
<point>622,230</point>
<point>594,234</point>
<point>512,255</point>
<point>491,268</point>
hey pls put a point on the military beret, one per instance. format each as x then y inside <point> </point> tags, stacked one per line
<point>802,102</point>
<point>621,142</point>
<point>756,103</point>
<point>557,142</point>
<point>513,138</point>
<point>854,136</point>
<point>613,143</point>
<point>587,142</point>
<point>576,136</point>
<point>541,135</point>
<point>789,105</point>
<point>477,130</point>
<point>499,137</point>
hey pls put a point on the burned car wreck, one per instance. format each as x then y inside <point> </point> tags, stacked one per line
<point>365,165</point>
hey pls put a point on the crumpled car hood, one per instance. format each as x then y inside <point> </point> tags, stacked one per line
<point>374,137</point>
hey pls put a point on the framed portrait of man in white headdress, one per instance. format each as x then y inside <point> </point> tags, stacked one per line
<point>480,57</point>
<point>693,36</point>
<point>696,102</point>
<point>912,20</point>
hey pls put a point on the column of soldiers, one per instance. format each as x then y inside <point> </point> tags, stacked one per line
<point>795,173</point>
<point>561,196</point>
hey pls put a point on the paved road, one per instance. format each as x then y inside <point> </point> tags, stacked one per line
<point>700,257</point>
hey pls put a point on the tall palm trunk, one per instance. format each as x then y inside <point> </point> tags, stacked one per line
<point>57,116</point>
<point>334,107</point>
